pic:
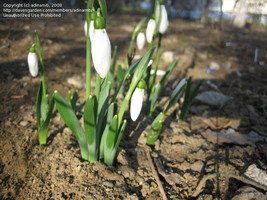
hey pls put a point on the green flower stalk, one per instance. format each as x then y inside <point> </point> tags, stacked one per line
<point>44,105</point>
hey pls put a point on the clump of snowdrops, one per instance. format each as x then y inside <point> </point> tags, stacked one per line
<point>103,125</point>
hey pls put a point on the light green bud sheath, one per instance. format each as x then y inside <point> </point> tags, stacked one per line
<point>161,2</point>
<point>32,49</point>
<point>141,84</point>
<point>99,21</point>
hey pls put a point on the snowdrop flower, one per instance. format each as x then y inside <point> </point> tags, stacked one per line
<point>159,72</point>
<point>150,62</point>
<point>33,62</point>
<point>164,22</point>
<point>150,30</point>
<point>141,40</point>
<point>101,47</point>
<point>137,100</point>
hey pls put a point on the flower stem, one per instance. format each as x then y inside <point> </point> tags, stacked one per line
<point>125,104</point>
<point>88,62</point>
<point>97,86</point>
<point>42,135</point>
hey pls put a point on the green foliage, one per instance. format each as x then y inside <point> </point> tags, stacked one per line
<point>156,89</point>
<point>157,123</point>
<point>155,129</point>
<point>44,104</point>
<point>102,126</point>
<point>189,95</point>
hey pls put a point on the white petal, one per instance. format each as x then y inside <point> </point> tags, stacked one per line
<point>91,28</point>
<point>33,63</point>
<point>101,52</point>
<point>85,27</point>
<point>159,72</point>
<point>164,22</point>
<point>150,30</point>
<point>141,41</point>
<point>136,103</point>
<point>150,62</point>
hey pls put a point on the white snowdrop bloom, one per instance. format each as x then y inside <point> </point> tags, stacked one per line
<point>159,72</point>
<point>141,40</point>
<point>150,30</point>
<point>136,103</point>
<point>33,63</point>
<point>164,22</point>
<point>101,52</point>
<point>91,28</point>
<point>150,62</point>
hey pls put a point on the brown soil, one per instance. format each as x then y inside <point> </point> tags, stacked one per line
<point>182,156</point>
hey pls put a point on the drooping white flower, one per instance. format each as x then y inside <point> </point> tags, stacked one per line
<point>33,63</point>
<point>137,100</point>
<point>141,40</point>
<point>159,72</point>
<point>136,103</point>
<point>91,28</point>
<point>101,52</point>
<point>164,22</point>
<point>150,30</point>
<point>150,62</point>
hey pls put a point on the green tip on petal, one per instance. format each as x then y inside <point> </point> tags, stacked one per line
<point>141,84</point>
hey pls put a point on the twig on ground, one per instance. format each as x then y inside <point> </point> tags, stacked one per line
<point>203,181</point>
<point>155,174</point>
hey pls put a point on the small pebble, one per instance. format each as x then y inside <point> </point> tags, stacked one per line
<point>24,123</point>
<point>214,65</point>
<point>108,184</point>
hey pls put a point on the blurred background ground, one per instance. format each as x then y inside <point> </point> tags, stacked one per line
<point>225,130</point>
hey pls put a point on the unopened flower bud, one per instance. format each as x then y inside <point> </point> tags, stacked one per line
<point>101,48</point>
<point>141,40</point>
<point>137,100</point>
<point>164,22</point>
<point>150,30</point>
<point>33,62</point>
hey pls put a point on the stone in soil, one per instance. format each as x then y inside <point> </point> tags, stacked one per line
<point>213,98</point>
<point>258,175</point>
<point>249,193</point>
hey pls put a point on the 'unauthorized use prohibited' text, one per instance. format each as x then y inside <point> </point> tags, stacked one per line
<point>36,10</point>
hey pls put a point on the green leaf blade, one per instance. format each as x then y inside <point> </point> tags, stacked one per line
<point>70,119</point>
